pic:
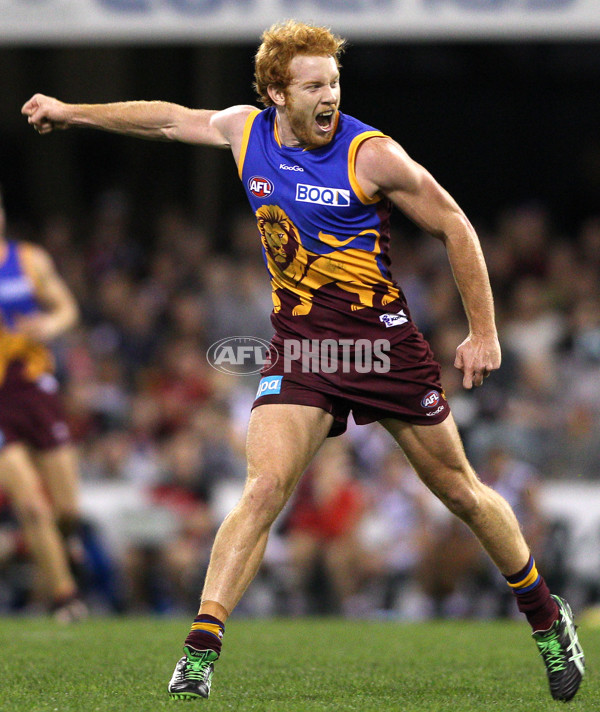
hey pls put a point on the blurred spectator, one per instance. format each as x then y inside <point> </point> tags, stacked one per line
<point>525,233</point>
<point>394,533</point>
<point>181,383</point>
<point>138,390</point>
<point>164,575</point>
<point>578,438</point>
<point>589,242</point>
<point>323,535</point>
<point>533,328</point>
<point>238,298</point>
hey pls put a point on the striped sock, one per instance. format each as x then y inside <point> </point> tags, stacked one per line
<point>533,596</point>
<point>206,634</point>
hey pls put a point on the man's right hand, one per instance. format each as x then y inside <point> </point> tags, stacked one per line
<point>45,113</point>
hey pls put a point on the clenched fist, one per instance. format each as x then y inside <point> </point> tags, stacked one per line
<point>46,113</point>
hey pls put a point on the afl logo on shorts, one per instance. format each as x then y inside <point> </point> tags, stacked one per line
<point>431,399</point>
<point>260,187</point>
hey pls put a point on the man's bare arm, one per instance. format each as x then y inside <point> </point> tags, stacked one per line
<point>155,120</point>
<point>60,311</point>
<point>384,167</point>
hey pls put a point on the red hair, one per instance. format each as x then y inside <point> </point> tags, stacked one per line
<point>281,43</point>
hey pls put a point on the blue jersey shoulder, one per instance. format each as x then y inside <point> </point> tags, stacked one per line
<point>17,294</point>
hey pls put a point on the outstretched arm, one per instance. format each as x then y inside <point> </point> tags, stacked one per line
<point>382,166</point>
<point>157,120</point>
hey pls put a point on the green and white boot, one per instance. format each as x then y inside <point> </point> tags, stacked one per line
<point>193,674</point>
<point>562,654</point>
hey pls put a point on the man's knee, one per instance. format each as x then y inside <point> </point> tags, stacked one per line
<point>462,498</point>
<point>265,495</point>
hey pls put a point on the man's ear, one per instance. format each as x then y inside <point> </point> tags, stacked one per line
<point>276,94</point>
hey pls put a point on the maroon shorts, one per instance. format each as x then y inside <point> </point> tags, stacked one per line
<point>31,412</point>
<point>405,385</point>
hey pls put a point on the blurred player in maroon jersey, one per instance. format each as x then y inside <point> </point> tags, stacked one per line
<point>38,464</point>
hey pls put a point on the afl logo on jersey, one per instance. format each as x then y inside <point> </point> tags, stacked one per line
<point>260,187</point>
<point>431,399</point>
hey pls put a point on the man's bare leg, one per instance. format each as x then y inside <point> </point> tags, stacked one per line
<point>437,455</point>
<point>19,478</point>
<point>282,440</point>
<point>59,469</point>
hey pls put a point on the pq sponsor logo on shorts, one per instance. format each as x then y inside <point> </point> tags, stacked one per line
<point>241,355</point>
<point>269,386</point>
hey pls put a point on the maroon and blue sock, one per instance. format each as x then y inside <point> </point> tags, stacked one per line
<point>533,596</point>
<point>206,634</point>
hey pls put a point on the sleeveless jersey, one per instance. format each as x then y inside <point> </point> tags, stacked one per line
<point>17,298</point>
<point>324,241</point>
<point>17,295</point>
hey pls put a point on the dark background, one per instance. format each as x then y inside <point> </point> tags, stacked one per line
<point>498,124</point>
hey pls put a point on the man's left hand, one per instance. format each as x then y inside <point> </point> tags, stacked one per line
<point>477,357</point>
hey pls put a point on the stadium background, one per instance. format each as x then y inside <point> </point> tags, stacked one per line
<point>156,242</point>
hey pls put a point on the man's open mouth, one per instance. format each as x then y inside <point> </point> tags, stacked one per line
<point>325,119</point>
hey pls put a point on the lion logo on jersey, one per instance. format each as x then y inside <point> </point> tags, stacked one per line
<point>281,241</point>
<point>294,268</point>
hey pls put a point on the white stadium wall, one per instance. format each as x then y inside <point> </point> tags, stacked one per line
<point>152,21</point>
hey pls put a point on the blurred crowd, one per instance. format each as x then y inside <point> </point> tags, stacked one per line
<point>361,535</point>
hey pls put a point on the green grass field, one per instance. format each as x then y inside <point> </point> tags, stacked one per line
<point>300,665</point>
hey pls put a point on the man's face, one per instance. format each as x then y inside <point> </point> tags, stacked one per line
<point>312,99</point>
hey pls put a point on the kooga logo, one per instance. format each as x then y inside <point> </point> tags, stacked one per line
<point>337,197</point>
<point>285,167</point>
